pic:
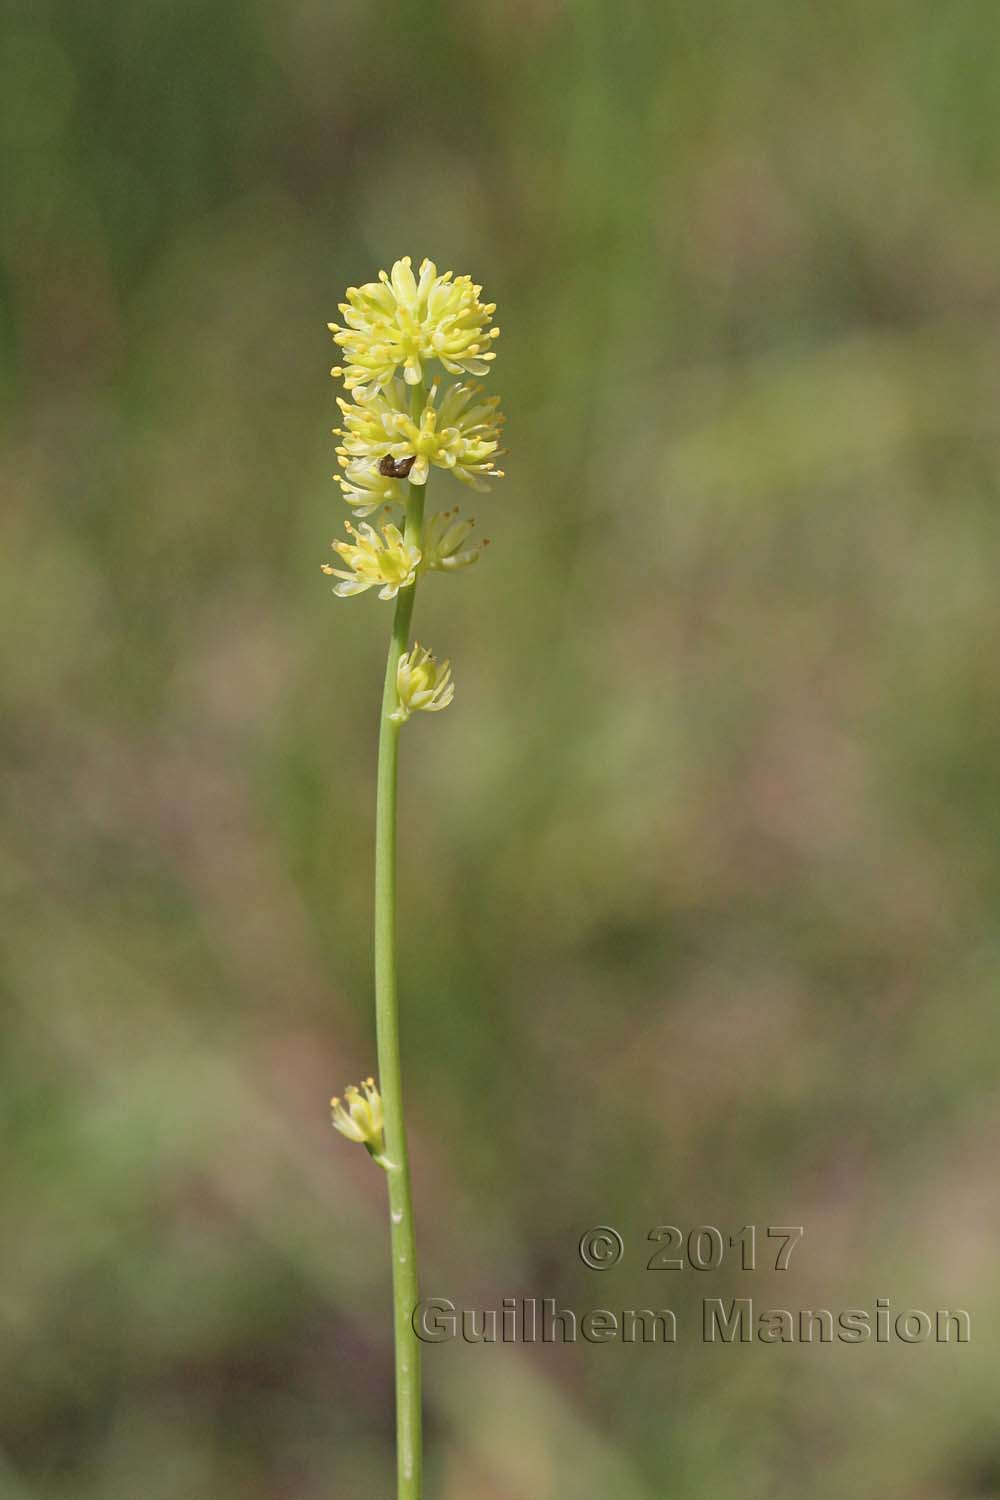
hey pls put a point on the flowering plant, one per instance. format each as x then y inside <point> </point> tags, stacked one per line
<point>397,427</point>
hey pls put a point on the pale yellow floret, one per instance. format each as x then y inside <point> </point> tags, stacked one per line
<point>445,544</point>
<point>422,684</point>
<point>386,562</point>
<point>365,489</point>
<point>360,1117</point>
<point>400,321</point>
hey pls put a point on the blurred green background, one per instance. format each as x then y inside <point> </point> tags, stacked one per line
<point>699,875</point>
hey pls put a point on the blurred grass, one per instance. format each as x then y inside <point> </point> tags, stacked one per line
<point>700,873</point>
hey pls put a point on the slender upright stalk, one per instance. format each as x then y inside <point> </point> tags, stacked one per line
<point>409,1454</point>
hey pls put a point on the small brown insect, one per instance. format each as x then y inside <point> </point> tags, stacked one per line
<point>396,468</point>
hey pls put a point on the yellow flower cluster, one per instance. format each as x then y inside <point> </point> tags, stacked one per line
<point>462,435</point>
<point>399,322</point>
<point>398,424</point>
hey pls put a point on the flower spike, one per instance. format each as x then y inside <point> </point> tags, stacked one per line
<point>400,338</point>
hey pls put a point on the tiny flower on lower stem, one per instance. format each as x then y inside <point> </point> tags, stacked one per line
<point>386,562</point>
<point>360,1117</point>
<point>422,684</point>
<point>444,543</point>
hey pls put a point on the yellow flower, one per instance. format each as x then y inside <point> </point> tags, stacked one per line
<point>362,1120</point>
<point>462,435</point>
<point>422,684</point>
<point>386,562</point>
<point>365,488</point>
<point>371,423</point>
<point>443,543</point>
<point>398,322</point>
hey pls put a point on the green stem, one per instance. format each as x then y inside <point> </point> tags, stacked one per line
<point>409,1456</point>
